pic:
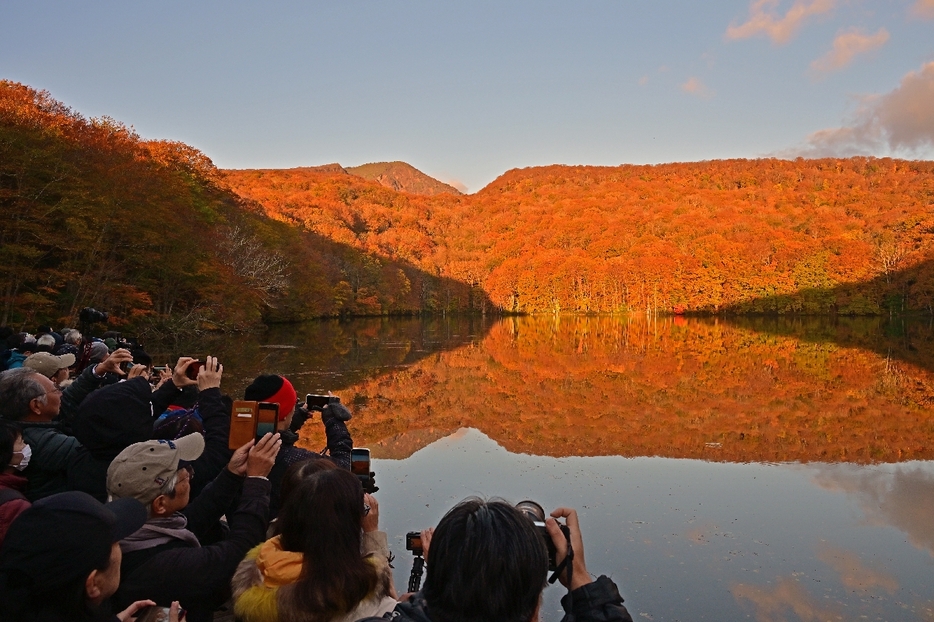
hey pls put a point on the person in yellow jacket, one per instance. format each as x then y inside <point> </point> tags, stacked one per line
<point>314,571</point>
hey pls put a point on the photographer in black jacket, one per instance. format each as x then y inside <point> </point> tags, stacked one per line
<point>489,562</point>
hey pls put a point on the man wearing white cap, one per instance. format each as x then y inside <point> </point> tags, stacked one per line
<point>166,559</point>
<point>55,368</point>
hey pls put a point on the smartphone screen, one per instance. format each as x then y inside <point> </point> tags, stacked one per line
<point>360,461</point>
<point>267,417</point>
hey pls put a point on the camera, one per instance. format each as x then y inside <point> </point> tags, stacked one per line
<point>91,316</point>
<point>536,513</point>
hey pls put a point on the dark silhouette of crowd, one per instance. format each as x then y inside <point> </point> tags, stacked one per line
<point>123,498</point>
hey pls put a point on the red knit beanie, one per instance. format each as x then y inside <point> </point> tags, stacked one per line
<point>273,388</point>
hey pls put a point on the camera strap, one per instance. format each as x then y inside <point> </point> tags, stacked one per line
<point>566,563</point>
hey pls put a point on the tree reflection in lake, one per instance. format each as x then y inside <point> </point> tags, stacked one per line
<point>675,388</point>
<point>723,470</point>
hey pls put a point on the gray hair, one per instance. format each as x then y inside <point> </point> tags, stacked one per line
<point>168,488</point>
<point>46,340</point>
<point>19,387</point>
<point>74,337</point>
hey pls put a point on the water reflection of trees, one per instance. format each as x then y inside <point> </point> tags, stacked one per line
<point>564,386</point>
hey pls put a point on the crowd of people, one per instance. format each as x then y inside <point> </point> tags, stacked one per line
<point>121,499</point>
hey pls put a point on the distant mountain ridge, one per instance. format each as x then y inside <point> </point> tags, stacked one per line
<point>402,177</point>
<point>398,176</point>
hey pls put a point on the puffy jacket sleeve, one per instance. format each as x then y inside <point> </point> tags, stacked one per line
<point>216,420</point>
<point>74,394</point>
<point>599,601</point>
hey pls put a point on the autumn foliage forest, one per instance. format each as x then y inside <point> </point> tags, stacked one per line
<point>151,231</point>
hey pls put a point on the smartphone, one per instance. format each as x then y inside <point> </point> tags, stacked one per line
<point>243,418</point>
<point>360,461</point>
<point>267,419</point>
<point>320,401</point>
<point>194,368</point>
<point>413,542</point>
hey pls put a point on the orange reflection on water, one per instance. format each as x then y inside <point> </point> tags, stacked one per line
<point>585,386</point>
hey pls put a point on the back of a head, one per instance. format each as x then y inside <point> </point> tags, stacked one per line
<point>488,562</point>
<point>299,472</point>
<point>50,550</point>
<point>322,520</point>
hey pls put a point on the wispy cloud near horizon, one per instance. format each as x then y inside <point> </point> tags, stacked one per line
<point>900,120</point>
<point>923,9</point>
<point>697,88</point>
<point>846,46</point>
<point>764,18</point>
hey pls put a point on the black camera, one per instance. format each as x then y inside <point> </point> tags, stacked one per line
<point>536,514</point>
<point>91,316</point>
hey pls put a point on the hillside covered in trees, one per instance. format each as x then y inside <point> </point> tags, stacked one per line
<point>807,236</point>
<point>95,215</point>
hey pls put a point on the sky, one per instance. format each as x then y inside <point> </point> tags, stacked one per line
<point>465,91</point>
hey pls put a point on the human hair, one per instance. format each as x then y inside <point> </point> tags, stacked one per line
<point>74,337</point>
<point>9,432</point>
<point>45,343</point>
<point>488,562</point>
<point>299,472</point>
<point>19,387</point>
<point>23,599</point>
<point>322,520</point>
<point>168,487</point>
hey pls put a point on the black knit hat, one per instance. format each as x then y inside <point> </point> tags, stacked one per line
<point>114,417</point>
<point>64,537</point>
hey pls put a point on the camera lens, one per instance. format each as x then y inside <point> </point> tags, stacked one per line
<point>531,509</point>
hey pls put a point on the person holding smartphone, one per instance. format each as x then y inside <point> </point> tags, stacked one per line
<point>278,390</point>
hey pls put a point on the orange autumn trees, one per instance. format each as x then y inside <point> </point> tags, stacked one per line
<point>151,231</point>
<point>847,236</point>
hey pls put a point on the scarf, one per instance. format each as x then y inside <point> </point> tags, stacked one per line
<point>159,531</point>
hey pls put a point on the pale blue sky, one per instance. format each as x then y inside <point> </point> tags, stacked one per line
<point>465,91</point>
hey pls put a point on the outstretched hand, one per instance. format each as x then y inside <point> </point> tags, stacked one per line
<point>179,377</point>
<point>114,362</point>
<point>210,375</point>
<point>262,456</point>
<point>580,576</point>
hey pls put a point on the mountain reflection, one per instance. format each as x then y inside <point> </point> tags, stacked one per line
<point>675,387</point>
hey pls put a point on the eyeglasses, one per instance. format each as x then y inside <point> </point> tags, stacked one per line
<point>188,469</point>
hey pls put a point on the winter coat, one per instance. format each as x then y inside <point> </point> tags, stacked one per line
<point>339,444</point>
<point>598,601</point>
<point>264,587</point>
<point>199,576</point>
<point>107,422</point>
<point>13,507</point>
<point>52,453</point>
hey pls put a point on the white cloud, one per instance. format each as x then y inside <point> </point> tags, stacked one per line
<point>900,121</point>
<point>695,87</point>
<point>847,46</point>
<point>924,9</point>
<point>765,19</point>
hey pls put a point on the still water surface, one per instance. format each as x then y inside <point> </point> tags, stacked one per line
<point>751,469</point>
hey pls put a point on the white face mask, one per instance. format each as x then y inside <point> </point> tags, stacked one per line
<point>27,454</point>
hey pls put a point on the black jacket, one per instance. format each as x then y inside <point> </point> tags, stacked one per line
<point>199,577</point>
<point>339,445</point>
<point>598,601</point>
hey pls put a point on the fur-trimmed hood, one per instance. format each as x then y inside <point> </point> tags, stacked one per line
<point>269,596</point>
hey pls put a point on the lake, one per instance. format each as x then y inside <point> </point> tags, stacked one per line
<point>753,468</point>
